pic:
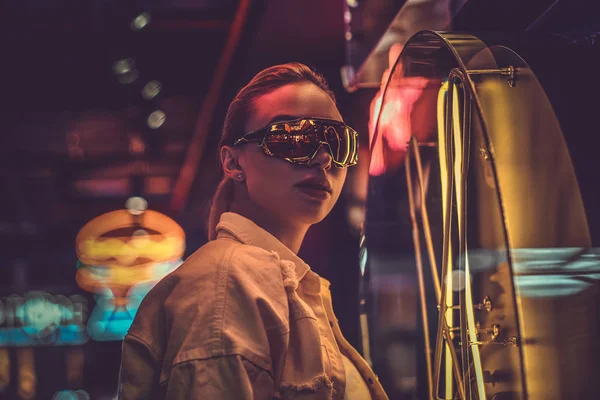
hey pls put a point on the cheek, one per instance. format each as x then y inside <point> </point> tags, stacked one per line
<point>270,185</point>
<point>266,176</point>
<point>339,177</point>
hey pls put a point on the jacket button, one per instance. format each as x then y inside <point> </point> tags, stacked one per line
<point>370,380</point>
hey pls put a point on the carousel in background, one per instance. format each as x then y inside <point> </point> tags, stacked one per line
<point>479,254</point>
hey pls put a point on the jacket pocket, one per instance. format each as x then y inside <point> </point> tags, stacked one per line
<point>307,369</point>
<point>318,388</point>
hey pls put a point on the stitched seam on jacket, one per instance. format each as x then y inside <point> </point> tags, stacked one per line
<point>221,293</point>
<point>223,356</point>
<point>144,343</point>
<point>214,357</point>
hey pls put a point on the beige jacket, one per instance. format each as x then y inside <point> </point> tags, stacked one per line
<point>242,318</point>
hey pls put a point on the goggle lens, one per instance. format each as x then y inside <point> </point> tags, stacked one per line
<point>299,141</point>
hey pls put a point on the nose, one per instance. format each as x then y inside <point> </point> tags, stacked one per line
<point>323,157</point>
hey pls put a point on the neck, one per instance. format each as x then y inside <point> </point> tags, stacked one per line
<point>290,235</point>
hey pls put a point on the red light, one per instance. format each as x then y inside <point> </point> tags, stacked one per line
<point>395,128</point>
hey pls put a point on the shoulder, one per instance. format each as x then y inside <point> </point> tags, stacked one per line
<point>252,264</point>
<point>225,259</point>
<point>324,282</point>
<point>195,272</point>
<point>222,271</point>
<point>223,300</point>
<point>176,295</point>
<point>225,271</point>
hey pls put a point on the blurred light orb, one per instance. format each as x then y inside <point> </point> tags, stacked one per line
<point>356,216</point>
<point>40,315</point>
<point>140,233</point>
<point>136,145</point>
<point>140,21</point>
<point>125,70</point>
<point>140,239</point>
<point>348,36</point>
<point>151,90</point>
<point>71,395</point>
<point>352,3</point>
<point>156,119</point>
<point>129,77</point>
<point>347,16</point>
<point>123,66</point>
<point>458,278</point>
<point>136,205</point>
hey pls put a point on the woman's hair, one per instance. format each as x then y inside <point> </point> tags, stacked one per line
<point>238,113</point>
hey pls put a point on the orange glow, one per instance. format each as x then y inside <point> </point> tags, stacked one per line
<point>103,187</point>
<point>118,279</point>
<point>163,241</point>
<point>157,185</point>
<point>117,250</point>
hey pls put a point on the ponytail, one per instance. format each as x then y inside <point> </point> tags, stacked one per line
<point>221,203</point>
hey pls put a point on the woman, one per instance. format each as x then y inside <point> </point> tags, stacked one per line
<point>244,317</point>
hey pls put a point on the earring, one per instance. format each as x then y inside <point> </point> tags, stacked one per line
<point>240,176</point>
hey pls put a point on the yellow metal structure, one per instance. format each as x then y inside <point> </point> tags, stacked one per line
<point>515,258</point>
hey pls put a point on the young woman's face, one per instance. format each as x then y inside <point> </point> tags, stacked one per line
<point>276,185</point>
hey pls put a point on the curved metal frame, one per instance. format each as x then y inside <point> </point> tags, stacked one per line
<point>457,142</point>
<point>524,174</point>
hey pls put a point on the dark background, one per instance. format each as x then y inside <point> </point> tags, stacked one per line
<point>67,123</point>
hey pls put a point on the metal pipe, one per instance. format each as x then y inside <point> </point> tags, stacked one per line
<point>459,381</point>
<point>448,195</point>
<point>189,169</point>
<point>425,219</point>
<point>421,280</point>
<point>461,129</point>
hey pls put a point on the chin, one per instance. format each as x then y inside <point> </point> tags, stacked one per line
<point>311,216</point>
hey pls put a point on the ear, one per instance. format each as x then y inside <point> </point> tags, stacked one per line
<point>230,162</point>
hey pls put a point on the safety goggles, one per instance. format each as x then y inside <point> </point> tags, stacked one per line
<point>298,141</point>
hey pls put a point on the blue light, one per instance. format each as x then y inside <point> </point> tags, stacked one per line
<point>109,321</point>
<point>112,317</point>
<point>71,395</point>
<point>40,319</point>
<point>540,272</point>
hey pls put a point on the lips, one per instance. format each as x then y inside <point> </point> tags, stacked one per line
<point>315,183</point>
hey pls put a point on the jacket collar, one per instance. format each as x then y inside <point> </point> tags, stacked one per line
<point>245,231</point>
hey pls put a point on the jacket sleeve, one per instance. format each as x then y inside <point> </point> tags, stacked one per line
<point>209,331</point>
<point>140,371</point>
<point>220,378</point>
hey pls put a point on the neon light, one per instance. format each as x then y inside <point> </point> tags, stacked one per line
<point>544,272</point>
<point>38,318</point>
<point>121,269</point>
<point>126,253</point>
<point>71,395</point>
<point>166,242</point>
<point>395,120</point>
<point>113,315</point>
<point>377,164</point>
